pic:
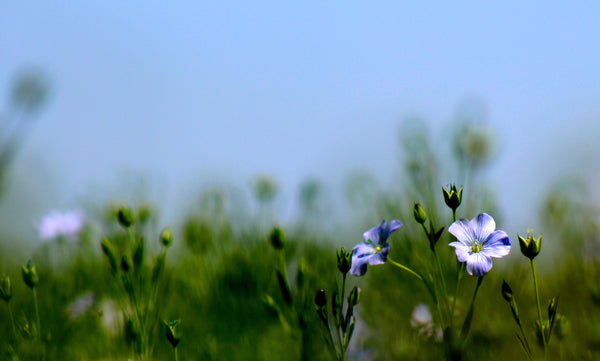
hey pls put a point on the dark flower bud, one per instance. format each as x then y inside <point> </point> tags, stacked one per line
<point>452,196</point>
<point>30,276</point>
<point>530,247</point>
<point>344,260</point>
<point>506,291</point>
<point>171,332</point>
<point>109,250</point>
<point>277,238</point>
<point>321,298</point>
<point>166,237</point>
<point>125,264</point>
<point>354,296</point>
<point>125,217</point>
<point>419,213</point>
<point>5,289</point>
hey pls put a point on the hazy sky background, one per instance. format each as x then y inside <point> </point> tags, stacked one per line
<point>207,90</point>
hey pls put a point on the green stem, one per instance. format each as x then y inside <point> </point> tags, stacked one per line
<point>459,273</point>
<point>12,319</point>
<point>406,269</point>
<point>528,349</point>
<point>341,313</point>
<point>175,349</point>
<point>467,324</point>
<point>539,309</point>
<point>453,215</point>
<point>37,313</point>
<point>443,282</point>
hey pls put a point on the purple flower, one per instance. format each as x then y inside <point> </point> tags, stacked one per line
<point>374,250</point>
<point>56,224</point>
<point>478,242</point>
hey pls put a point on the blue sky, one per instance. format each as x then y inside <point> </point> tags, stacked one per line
<point>198,91</point>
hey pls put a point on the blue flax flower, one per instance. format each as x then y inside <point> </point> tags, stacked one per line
<point>374,250</point>
<point>478,242</point>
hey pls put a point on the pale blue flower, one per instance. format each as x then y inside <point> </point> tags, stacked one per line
<point>374,250</point>
<point>57,224</point>
<point>478,242</point>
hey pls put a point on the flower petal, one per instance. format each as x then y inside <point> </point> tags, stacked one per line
<point>462,251</point>
<point>374,233</point>
<point>478,264</point>
<point>483,225</point>
<point>461,229</point>
<point>497,245</point>
<point>389,228</point>
<point>361,254</point>
<point>381,256</point>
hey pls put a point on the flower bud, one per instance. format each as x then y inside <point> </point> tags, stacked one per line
<point>5,289</point>
<point>125,217</point>
<point>344,260</point>
<point>171,332</point>
<point>277,238</point>
<point>125,264</point>
<point>354,296</point>
<point>452,196</point>
<point>552,306</point>
<point>270,305</point>
<point>30,276</point>
<point>419,213</point>
<point>109,250</point>
<point>562,327</point>
<point>530,247</point>
<point>321,298</point>
<point>166,237</point>
<point>506,291</point>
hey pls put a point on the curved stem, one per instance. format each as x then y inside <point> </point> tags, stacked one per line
<point>406,269</point>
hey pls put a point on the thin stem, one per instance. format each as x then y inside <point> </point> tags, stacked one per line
<point>406,269</point>
<point>37,313</point>
<point>341,313</point>
<point>454,215</point>
<point>459,273</point>
<point>539,310</point>
<point>175,349</point>
<point>443,282</point>
<point>528,349</point>
<point>12,319</point>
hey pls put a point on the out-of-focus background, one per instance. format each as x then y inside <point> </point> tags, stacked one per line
<point>323,117</point>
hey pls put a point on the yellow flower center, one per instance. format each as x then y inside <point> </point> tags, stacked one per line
<point>476,247</point>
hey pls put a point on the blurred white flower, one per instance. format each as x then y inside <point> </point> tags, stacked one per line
<point>422,320</point>
<point>56,224</point>
<point>81,305</point>
<point>421,316</point>
<point>110,317</point>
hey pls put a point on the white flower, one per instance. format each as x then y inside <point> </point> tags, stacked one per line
<point>56,224</point>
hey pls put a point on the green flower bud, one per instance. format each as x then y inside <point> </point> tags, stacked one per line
<point>30,276</point>
<point>277,238</point>
<point>166,237</point>
<point>562,328</point>
<point>419,214</point>
<point>171,332</point>
<point>109,250</point>
<point>321,298</point>
<point>452,196</point>
<point>530,247</point>
<point>5,288</point>
<point>506,291</point>
<point>125,217</point>
<point>270,305</point>
<point>354,296</point>
<point>344,260</point>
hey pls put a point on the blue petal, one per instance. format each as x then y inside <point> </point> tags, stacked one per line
<point>483,225</point>
<point>381,256</point>
<point>462,251</point>
<point>374,233</point>
<point>497,245</point>
<point>478,264</point>
<point>462,230</point>
<point>390,228</point>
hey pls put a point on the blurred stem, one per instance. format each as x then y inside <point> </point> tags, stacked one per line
<point>37,313</point>
<point>459,274</point>
<point>406,269</point>
<point>443,282</point>
<point>467,324</point>
<point>539,309</point>
<point>175,350</point>
<point>12,319</point>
